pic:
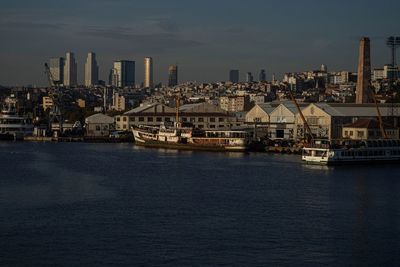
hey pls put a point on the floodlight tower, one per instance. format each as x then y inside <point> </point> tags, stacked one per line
<point>393,43</point>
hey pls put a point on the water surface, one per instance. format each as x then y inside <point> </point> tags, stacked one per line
<point>74,204</point>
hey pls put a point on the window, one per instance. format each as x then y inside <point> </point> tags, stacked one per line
<point>212,119</point>
<point>360,134</point>
<point>212,126</point>
<point>221,119</point>
<point>97,127</point>
<point>201,120</point>
<point>133,118</point>
<point>159,119</point>
<point>124,126</point>
<point>346,133</point>
<point>124,119</point>
<point>141,118</point>
<point>118,119</point>
<point>312,121</point>
<point>150,119</point>
<point>351,133</point>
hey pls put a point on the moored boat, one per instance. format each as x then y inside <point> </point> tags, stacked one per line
<point>12,125</point>
<point>191,139</point>
<point>346,151</point>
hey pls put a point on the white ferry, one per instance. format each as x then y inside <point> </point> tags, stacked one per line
<point>13,126</point>
<point>345,151</point>
<point>191,139</point>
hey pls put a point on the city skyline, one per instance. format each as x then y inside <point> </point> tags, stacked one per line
<point>277,37</point>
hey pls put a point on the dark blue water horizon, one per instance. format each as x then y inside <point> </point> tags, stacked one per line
<point>77,204</point>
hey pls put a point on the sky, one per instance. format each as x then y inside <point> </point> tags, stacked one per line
<point>205,38</point>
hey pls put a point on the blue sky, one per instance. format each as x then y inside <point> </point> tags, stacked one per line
<point>206,38</point>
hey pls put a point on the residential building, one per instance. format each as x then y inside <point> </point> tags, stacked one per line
<point>47,103</point>
<point>119,102</point>
<point>363,129</point>
<point>91,70</point>
<point>234,103</point>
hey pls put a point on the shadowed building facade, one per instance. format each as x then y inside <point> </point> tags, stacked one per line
<point>172,75</point>
<point>364,72</point>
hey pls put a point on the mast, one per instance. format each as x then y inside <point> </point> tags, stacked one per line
<point>177,110</point>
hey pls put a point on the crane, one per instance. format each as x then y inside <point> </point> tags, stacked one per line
<point>310,134</point>
<point>380,120</point>
<point>54,94</point>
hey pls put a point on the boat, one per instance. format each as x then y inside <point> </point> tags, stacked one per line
<point>188,138</point>
<point>326,152</point>
<point>12,125</point>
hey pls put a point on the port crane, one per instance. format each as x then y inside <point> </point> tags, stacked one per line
<point>310,137</point>
<point>55,95</point>
<point>380,120</point>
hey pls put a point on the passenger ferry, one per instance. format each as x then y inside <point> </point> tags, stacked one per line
<point>191,139</point>
<point>13,126</point>
<point>351,151</point>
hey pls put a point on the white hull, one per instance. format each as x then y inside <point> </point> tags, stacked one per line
<point>187,142</point>
<point>328,156</point>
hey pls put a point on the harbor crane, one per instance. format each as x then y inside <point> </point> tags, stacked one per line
<point>310,136</point>
<point>55,95</point>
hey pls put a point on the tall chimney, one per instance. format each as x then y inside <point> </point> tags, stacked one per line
<point>364,72</point>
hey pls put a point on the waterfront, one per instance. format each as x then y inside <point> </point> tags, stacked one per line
<point>70,204</point>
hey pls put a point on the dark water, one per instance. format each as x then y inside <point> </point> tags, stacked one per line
<point>117,205</point>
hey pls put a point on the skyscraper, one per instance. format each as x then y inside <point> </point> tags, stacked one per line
<point>57,69</point>
<point>172,75</point>
<point>364,72</point>
<point>91,70</point>
<point>263,76</point>
<point>123,73</point>
<point>234,76</point>
<point>249,77</point>
<point>148,72</point>
<point>70,70</point>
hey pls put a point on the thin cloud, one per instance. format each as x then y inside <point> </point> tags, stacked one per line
<point>160,41</point>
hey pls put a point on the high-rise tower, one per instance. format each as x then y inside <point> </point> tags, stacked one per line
<point>148,72</point>
<point>234,76</point>
<point>172,75</point>
<point>263,76</point>
<point>123,74</point>
<point>91,70</point>
<point>70,70</point>
<point>57,69</point>
<point>364,72</point>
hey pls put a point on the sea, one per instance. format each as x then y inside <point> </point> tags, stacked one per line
<point>80,204</point>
